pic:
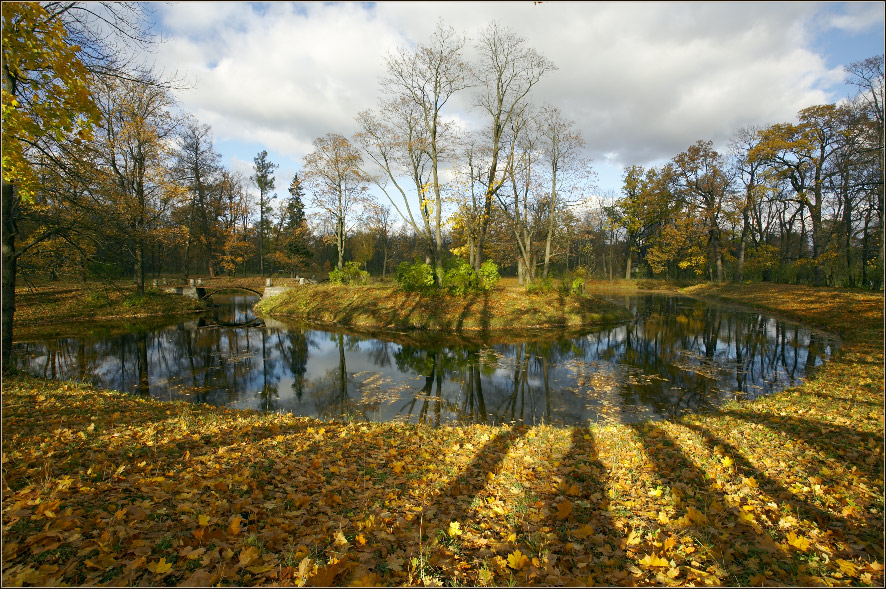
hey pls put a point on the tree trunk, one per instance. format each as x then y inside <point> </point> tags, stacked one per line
<point>742,246</point>
<point>628,264</point>
<point>140,268</point>
<point>8,270</point>
<point>340,242</point>
<point>550,226</point>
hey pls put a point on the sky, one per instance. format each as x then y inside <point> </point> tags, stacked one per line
<point>641,81</point>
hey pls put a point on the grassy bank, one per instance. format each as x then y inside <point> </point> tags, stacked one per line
<point>106,488</point>
<point>383,307</point>
<point>42,305</point>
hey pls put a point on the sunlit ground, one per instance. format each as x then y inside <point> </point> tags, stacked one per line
<point>102,487</point>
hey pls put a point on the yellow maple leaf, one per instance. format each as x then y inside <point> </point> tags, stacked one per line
<point>564,509</point>
<point>655,492</point>
<point>583,532</point>
<point>340,539</point>
<point>798,542</point>
<point>517,560</point>
<point>650,560</point>
<point>670,542</point>
<point>454,529</point>
<point>727,461</point>
<point>398,468</point>
<point>160,567</point>
<point>695,516</point>
<point>202,520</point>
<point>367,580</point>
<point>847,567</point>
<point>758,580</point>
<point>573,490</point>
<point>361,539</point>
<point>247,555</point>
<point>234,527</point>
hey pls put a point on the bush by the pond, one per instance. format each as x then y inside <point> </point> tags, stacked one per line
<point>458,277</point>
<point>488,275</point>
<point>415,277</point>
<point>350,274</point>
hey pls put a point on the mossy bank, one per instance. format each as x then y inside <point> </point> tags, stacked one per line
<point>387,307</point>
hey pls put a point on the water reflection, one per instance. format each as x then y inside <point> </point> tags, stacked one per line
<point>678,355</point>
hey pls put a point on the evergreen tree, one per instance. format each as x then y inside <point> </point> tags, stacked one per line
<point>264,180</point>
<point>296,226</point>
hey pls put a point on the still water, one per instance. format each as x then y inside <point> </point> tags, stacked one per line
<point>677,355</point>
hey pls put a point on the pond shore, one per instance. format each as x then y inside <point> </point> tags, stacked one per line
<point>104,487</point>
<point>385,307</point>
<point>58,307</point>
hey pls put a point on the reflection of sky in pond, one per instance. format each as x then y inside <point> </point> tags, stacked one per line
<point>678,355</point>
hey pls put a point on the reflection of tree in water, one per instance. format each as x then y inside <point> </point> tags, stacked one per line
<point>292,345</point>
<point>330,391</point>
<point>678,355</point>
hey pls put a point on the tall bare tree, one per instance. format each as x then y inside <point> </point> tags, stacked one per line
<point>197,167</point>
<point>333,172</point>
<point>867,76</point>
<point>561,146</point>
<point>427,76</point>
<point>506,72</point>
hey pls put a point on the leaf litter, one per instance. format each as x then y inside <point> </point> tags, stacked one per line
<point>103,488</point>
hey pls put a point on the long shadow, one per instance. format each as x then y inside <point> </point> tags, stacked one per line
<point>767,483</point>
<point>580,467</point>
<point>455,501</point>
<point>811,432</point>
<point>721,531</point>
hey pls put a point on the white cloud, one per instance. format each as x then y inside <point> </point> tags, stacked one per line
<point>857,17</point>
<point>642,81</point>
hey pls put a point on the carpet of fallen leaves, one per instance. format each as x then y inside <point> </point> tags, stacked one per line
<point>104,488</point>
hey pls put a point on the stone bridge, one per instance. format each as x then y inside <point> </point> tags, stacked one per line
<point>197,290</point>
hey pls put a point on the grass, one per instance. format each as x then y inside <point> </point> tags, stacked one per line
<point>384,306</point>
<point>61,303</point>
<point>784,490</point>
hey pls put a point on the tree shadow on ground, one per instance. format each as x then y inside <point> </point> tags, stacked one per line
<point>724,536</point>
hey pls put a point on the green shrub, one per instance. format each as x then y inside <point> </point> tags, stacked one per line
<point>415,277</point>
<point>350,274</point>
<point>577,282</point>
<point>488,275</point>
<point>540,285</point>
<point>337,276</point>
<point>459,277</point>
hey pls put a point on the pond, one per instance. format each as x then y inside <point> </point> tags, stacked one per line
<point>677,355</point>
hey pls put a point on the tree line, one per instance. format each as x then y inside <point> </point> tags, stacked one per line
<point>103,176</point>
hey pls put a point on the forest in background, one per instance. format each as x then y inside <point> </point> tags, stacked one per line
<point>104,177</point>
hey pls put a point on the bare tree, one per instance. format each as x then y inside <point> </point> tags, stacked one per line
<point>395,139</point>
<point>197,167</point>
<point>867,76</point>
<point>561,146</point>
<point>337,182</point>
<point>427,76</point>
<point>523,175</point>
<point>505,74</point>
